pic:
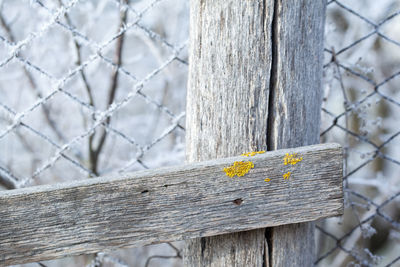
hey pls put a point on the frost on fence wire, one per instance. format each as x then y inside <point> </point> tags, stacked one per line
<point>361,110</point>
<point>89,88</point>
<point>95,87</point>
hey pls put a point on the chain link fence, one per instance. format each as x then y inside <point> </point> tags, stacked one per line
<point>361,111</point>
<point>91,88</point>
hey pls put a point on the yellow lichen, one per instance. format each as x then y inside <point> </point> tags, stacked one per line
<point>267,179</point>
<point>291,159</point>
<point>287,175</point>
<point>239,168</point>
<point>247,154</point>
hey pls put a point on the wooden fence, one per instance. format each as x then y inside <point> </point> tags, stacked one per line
<point>254,84</point>
<point>189,201</point>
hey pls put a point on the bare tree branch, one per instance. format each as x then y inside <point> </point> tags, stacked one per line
<point>79,60</point>
<point>7,183</point>
<point>94,152</point>
<point>33,85</point>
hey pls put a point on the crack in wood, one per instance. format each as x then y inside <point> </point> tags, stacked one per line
<point>273,77</point>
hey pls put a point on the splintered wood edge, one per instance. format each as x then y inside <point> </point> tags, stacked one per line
<point>168,204</point>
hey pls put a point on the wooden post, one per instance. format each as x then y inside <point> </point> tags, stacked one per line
<point>254,84</point>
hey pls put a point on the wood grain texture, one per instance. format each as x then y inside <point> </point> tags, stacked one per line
<point>168,204</point>
<point>294,108</point>
<point>254,83</point>
<point>230,59</point>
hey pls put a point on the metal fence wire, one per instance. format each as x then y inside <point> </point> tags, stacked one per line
<point>89,88</point>
<point>361,111</point>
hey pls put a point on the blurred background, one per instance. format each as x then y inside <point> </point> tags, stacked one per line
<point>91,88</point>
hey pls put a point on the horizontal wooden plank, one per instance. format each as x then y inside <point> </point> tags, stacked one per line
<point>146,207</point>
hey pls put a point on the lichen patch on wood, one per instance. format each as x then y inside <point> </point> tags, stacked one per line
<point>292,159</point>
<point>253,153</point>
<point>239,168</point>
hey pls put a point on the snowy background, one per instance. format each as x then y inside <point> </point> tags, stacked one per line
<point>91,88</point>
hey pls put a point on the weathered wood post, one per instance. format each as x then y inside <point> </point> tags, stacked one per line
<point>254,83</point>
